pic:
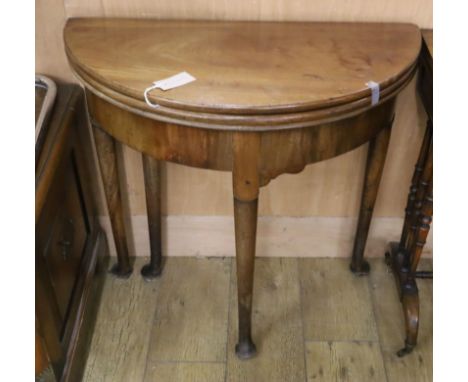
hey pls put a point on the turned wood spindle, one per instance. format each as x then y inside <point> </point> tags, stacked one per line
<point>424,225</point>
<point>419,167</point>
<point>422,188</point>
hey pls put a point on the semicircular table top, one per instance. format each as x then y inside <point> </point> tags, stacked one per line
<point>247,73</point>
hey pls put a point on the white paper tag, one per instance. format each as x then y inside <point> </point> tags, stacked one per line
<point>375,92</point>
<point>180,79</point>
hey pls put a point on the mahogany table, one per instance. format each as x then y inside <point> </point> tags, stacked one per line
<point>269,98</point>
<point>404,256</point>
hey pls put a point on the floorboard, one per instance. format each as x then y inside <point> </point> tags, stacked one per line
<point>312,321</point>
<point>336,303</point>
<point>344,361</point>
<point>120,341</point>
<point>277,325</point>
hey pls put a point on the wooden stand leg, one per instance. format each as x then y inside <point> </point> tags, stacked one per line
<point>245,177</point>
<point>423,191</point>
<point>404,256</point>
<point>410,302</point>
<point>245,219</point>
<point>109,164</point>
<point>152,174</point>
<point>374,167</point>
<point>410,295</point>
<point>425,219</point>
<point>419,168</point>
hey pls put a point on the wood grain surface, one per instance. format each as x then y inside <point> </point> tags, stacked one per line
<point>287,355</point>
<point>191,310</point>
<point>344,361</point>
<point>276,323</point>
<point>190,371</point>
<point>123,335</point>
<point>268,68</point>
<point>329,295</point>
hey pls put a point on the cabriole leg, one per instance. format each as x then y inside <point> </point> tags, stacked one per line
<point>410,302</point>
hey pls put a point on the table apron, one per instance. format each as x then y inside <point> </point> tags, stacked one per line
<point>280,151</point>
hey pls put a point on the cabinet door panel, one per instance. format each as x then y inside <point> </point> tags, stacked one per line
<point>67,238</point>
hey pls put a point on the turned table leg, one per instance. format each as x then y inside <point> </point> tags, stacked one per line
<point>246,152</point>
<point>152,173</point>
<point>109,165</point>
<point>374,168</point>
<point>245,220</point>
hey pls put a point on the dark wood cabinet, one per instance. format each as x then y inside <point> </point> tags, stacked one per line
<point>71,249</point>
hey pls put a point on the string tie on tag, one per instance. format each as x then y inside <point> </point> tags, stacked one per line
<point>175,81</point>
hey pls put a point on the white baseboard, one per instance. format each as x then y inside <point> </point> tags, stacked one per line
<point>276,236</point>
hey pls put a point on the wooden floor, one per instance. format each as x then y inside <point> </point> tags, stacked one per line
<point>312,321</point>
